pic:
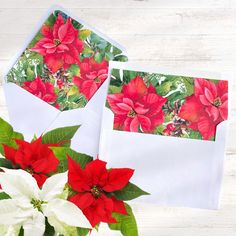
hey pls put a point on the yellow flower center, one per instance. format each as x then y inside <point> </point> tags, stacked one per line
<point>57,42</point>
<point>96,191</point>
<point>132,113</point>
<point>217,102</point>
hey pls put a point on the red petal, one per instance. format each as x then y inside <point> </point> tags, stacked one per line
<point>224,110</point>
<point>97,172</point>
<point>191,110</point>
<point>66,32</point>
<point>88,88</point>
<point>54,62</point>
<point>206,127</point>
<point>145,123</point>
<point>119,206</point>
<point>47,31</point>
<point>10,153</point>
<point>134,124</point>
<point>118,179</point>
<point>119,121</point>
<point>83,200</point>
<point>59,22</point>
<point>135,89</point>
<point>77,178</point>
<point>113,99</point>
<point>40,179</point>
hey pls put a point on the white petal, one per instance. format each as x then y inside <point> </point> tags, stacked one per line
<point>19,184</point>
<point>54,186</point>
<point>10,213</point>
<point>35,226</point>
<point>12,230</point>
<point>67,213</point>
<point>61,228</point>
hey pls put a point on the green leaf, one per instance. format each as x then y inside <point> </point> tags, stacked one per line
<point>82,231</point>
<point>49,230</point>
<point>3,196</point>
<point>126,223</point>
<point>21,233</point>
<point>5,163</point>
<point>114,89</point>
<point>129,192</point>
<point>84,33</point>
<point>159,129</point>
<point>74,70</point>
<point>8,135</point>
<point>98,57</point>
<point>63,152</point>
<point>109,56</point>
<point>60,135</point>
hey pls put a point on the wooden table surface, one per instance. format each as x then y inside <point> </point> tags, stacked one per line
<point>184,34</point>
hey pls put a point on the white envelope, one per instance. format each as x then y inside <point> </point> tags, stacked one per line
<point>32,116</point>
<point>175,171</point>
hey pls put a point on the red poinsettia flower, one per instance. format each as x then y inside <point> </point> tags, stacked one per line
<point>36,158</point>
<point>92,76</point>
<point>137,107</point>
<point>93,185</point>
<point>207,107</point>
<point>60,45</point>
<point>43,90</point>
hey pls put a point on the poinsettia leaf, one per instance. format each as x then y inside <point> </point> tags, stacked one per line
<point>62,136</point>
<point>63,152</point>
<point>49,230</point>
<point>126,223</point>
<point>129,192</point>
<point>21,233</point>
<point>3,196</point>
<point>8,135</point>
<point>6,163</point>
<point>82,231</point>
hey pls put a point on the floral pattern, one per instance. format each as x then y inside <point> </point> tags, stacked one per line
<point>65,63</point>
<point>167,105</point>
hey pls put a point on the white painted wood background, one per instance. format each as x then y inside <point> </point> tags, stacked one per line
<point>185,34</point>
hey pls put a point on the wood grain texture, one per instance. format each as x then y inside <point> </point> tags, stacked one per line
<point>184,34</point>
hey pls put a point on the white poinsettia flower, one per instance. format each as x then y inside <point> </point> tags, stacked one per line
<point>29,205</point>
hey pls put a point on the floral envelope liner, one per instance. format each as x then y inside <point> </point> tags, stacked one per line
<point>168,105</point>
<point>65,63</point>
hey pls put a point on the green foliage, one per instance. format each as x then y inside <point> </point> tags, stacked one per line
<point>5,163</point>
<point>126,223</point>
<point>62,154</point>
<point>49,230</point>
<point>82,231</point>
<point>8,135</point>
<point>60,136</point>
<point>130,192</point>
<point>3,196</point>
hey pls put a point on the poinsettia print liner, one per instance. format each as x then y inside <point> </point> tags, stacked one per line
<point>168,105</point>
<point>65,63</point>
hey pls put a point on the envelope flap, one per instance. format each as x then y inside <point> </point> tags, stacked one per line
<point>28,114</point>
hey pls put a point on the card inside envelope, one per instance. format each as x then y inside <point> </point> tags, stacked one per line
<point>62,69</point>
<point>171,129</point>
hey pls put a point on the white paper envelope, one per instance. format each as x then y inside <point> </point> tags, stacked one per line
<point>174,170</point>
<point>61,49</point>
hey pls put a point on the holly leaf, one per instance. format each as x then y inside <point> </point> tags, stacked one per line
<point>129,192</point>
<point>126,223</point>
<point>63,152</point>
<point>62,136</point>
